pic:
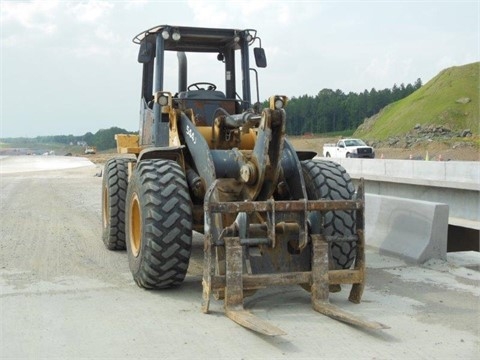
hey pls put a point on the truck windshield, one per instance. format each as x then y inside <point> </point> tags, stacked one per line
<point>354,142</point>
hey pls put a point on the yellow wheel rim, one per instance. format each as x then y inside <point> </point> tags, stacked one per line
<point>106,210</point>
<point>135,233</point>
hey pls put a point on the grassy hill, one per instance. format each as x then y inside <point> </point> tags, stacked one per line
<point>450,99</point>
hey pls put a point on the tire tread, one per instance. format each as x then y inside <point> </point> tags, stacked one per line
<point>167,228</point>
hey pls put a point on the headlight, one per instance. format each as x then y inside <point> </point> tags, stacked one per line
<point>176,35</point>
<point>163,98</point>
<point>165,34</point>
<point>278,102</point>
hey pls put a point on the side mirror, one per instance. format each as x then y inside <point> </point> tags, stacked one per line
<point>260,58</point>
<point>145,54</point>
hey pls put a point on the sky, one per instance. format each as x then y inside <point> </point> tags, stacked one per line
<point>70,67</point>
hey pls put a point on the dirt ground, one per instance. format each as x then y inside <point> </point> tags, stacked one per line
<point>435,150</point>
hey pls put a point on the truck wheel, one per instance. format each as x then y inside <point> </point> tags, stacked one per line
<point>158,224</point>
<point>348,155</point>
<point>329,180</point>
<point>114,191</point>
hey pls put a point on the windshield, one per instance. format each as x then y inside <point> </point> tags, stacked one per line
<point>354,142</point>
<point>196,62</point>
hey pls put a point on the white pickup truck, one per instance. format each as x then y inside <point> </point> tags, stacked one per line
<point>350,148</point>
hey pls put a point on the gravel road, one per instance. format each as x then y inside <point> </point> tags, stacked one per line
<point>63,295</point>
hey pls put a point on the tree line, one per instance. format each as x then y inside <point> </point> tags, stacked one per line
<point>103,139</point>
<point>328,111</point>
<point>334,111</point>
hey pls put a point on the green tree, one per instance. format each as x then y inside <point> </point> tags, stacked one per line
<point>88,138</point>
<point>104,139</point>
<point>333,110</point>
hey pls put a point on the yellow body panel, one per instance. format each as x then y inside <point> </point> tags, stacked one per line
<point>247,141</point>
<point>127,144</point>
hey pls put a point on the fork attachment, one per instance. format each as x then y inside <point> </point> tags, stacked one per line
<point>232,277</point>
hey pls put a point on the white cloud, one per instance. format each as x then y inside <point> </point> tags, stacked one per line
<point>284,14</point>
<point>379,67</point>
<point>380,71</point>
<point>90,51</point>
<point>103,32</point>
<point>90,11</point>
<point>209,14</point>
<point>231,13</point>
<point>135,4</point>
<point>35,15</point>
<point>249,8</point>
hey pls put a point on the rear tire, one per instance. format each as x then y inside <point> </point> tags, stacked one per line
<point>329,180</point>
<point>158,224</point>
<point>114,192</point>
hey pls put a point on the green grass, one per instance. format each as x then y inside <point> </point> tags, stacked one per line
<point>434,103</point>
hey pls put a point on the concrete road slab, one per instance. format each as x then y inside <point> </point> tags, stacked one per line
<point>63,295</point>
<point>19,164</point>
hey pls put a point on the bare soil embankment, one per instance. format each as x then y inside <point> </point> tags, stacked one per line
<point>435,150</point>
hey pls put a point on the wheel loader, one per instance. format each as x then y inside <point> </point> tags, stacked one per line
<point>210,159</point>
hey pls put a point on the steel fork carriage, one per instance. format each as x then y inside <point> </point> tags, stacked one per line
<point>232,278</point>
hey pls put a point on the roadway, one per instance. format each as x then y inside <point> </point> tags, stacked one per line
<point>63,295</point>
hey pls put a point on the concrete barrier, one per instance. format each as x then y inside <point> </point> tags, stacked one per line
<point>414,230</point>
<point>444,174</point>
<point>455,183</point>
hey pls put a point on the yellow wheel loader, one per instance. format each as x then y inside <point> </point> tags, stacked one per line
<point>210,159</point>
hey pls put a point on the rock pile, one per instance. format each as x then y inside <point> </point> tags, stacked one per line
<point>424,133</point>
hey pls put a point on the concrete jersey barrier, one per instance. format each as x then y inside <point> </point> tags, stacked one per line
<point>414,230</point>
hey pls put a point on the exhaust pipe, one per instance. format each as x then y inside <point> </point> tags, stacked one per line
<point>182,71</point>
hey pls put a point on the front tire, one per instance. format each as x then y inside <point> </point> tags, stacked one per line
<point>329,180</point>
<point>158,224</point>
<point>114,192</point>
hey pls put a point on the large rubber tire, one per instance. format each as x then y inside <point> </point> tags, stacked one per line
<point>158,224</point>
<point>114,192</point>
<point>329,180</point>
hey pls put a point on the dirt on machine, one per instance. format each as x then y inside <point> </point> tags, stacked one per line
<point>209,158</point>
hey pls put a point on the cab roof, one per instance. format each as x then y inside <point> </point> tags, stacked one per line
<point>196,39</point>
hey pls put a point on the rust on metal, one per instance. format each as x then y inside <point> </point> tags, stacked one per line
<point>336,313</point>
<point>231,277</point>
<point>252,322</point>
<point>320,290</point>
<point>234,292</point>
<point>285,206</point>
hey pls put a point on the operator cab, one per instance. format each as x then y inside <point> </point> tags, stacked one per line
<point>231,49</point>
